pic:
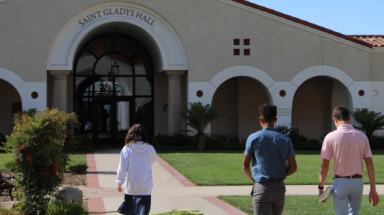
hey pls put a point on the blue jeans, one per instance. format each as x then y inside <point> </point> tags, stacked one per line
<point>135,205</point>
<point>347,195</point>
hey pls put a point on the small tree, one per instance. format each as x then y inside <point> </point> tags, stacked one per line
<point>199,117</point>
<point>37,142</point>
<point>370,121</point>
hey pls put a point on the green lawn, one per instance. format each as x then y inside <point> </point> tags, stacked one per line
<point>4,157</point>
<point>225,167</point>
<point>303,205</point>
<point>74,157</point>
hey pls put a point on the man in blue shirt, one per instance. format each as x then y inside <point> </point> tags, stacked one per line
<point>268,150</point>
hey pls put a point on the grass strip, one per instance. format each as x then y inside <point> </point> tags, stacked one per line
<point>75,158</point>
<point>302,205</point>
<point>4,158</point>
<point>210,168</point>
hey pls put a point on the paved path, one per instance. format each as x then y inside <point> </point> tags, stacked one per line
<point>171,189</point>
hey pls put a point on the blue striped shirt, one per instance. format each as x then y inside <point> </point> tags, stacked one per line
<point>268,149</point>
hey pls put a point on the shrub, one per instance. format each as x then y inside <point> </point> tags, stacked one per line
<point>299,141</point>
<point>78,168</point>
<point>199,117</point>
<point>81,143</point>
<point>180,142</point>
<point>10,165</point>
<point>66,208</point>
<point>38,142</point>
<point>174,142</point>
<point>224,142</point>
<point>376,142</point>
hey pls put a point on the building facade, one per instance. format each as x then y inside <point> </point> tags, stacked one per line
<point>116,63</point>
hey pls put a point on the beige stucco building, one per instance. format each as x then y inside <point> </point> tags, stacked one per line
<point>116,63</point>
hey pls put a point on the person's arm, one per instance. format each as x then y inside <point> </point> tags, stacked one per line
<point>121,171</point>
<point>292,166</point>
<point>373,195</point>
<point>246,167</point>
<point>323,174</point>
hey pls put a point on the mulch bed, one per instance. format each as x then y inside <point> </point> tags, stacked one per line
<point>70,180</point>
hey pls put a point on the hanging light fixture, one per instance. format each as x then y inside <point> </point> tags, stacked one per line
<point>115,68</point>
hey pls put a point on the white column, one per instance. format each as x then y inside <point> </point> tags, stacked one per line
<point>60,89</point>
<point>174,101</point>
<point>281,95</point>
<point>284,117</point>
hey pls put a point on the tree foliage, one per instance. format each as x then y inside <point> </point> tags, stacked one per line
<point>199,117</point>
<point>370,121</point>
<point>38,143</point>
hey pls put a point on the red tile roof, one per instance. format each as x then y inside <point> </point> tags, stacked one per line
<point>294,19</point>
<point>375,40</point>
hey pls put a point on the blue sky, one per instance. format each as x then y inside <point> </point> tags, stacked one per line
<point>344,16</point>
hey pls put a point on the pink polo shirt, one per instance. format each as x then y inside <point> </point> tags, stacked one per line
<point>348,147</point>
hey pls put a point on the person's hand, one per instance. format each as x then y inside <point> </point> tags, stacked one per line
<point>251,178</point>
<point>321,192</point>
<point>374,197</point>
<point>119,188</point>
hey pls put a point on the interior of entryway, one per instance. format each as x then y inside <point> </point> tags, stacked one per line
<point>10,104</point>
<point>113,88</point>
<point>313,105</point>
<point>239,98</point>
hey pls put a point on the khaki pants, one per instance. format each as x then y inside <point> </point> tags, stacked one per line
<point>268,198</point>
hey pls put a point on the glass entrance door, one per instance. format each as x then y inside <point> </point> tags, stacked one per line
<point>113,88</point>
<point>112,118</point>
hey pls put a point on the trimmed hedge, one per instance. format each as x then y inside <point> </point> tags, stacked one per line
<point>181,142</point>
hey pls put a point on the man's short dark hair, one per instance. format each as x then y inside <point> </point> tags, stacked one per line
<point>268,112</point>
<point>341,113</point>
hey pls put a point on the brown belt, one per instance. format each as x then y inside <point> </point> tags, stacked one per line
<point>352,176</point>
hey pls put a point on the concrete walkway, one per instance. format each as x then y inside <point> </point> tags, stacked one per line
<point>171,190</point>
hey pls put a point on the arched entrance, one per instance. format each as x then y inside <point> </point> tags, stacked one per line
<point>239,98</point>
<point>10,104</point>
<point>113,87</point>
<point>313,104</point>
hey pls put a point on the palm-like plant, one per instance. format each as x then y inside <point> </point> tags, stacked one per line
<point>370,121</point>
<point>199,117</point>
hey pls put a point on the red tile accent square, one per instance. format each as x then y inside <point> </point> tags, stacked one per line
<point>247,52</point>
<point>236,42</point>
<point>236,51</point>
<point>247,42</point>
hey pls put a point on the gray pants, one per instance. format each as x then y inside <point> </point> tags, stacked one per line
<point>268,198</point>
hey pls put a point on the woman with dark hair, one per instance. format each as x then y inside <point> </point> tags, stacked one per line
<point>135,172</point>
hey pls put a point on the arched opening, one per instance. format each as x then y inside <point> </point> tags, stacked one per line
<point>239,98</point>
<point>313,104</point>
<point>113,87</point>
<point>10,104</point>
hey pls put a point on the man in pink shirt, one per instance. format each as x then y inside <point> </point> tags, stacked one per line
<point>348,147</point>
